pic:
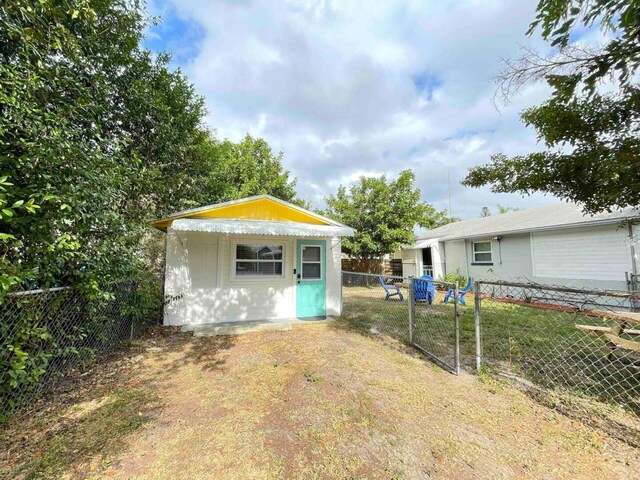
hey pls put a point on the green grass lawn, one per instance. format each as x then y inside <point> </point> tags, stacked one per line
<point>540,345</point>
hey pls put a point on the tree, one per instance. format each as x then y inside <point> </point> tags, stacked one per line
<point>447,220</point>
<point>384,214</point>
<point>592,138</point>
<point>63,172</point>
<point>98,136</point>
<point>485,212</point>
<point>250,168</point>
<point>505,209</point>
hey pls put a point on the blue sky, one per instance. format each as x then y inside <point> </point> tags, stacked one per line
<point>361,88</point>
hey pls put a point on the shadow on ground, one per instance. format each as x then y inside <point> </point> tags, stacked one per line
<point>81,424</point>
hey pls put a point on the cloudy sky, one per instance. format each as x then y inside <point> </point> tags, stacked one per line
<point>346,89</point>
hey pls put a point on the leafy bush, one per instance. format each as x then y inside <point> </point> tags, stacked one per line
<point>453,277</point>
<point>44,335</point>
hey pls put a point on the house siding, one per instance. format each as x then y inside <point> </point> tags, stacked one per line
<point>437,259</point>
<point>602,254</point>
<point>455,257</point>
<point>511,259</point>
<point>595,257</point>
<point>635,248</point>
<point>199,278</point>
<point>410,263</point>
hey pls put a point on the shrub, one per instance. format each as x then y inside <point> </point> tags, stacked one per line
<point>453,277</point>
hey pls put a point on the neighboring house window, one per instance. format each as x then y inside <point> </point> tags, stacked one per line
<point>258,260</point>
<point>482,252</point>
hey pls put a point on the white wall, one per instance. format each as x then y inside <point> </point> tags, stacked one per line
<point>511,259</point>
<point>455,257</point>
<point>334,276</point>
<point>199,273</point>
<point>595,257</point>
<point>601,253</point>
<point>437,258</point>
<point>410,262</point>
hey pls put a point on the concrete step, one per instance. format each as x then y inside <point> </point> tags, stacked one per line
<point>236,328</point>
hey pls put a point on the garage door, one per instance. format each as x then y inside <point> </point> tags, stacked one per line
<point>600,253</point>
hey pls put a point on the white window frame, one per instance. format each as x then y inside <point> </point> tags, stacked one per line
<point>302,262</point>
<point>235,260</point>
<point>473,253</point>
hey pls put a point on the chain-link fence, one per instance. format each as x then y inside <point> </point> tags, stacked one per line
<point>46,333</point>
<point>436,322</point>
<point>581,346</point>
<point>577,350</point>
<point>411,310</point>
<point>372,308</point>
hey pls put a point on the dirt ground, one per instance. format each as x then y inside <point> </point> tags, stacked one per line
<point>320,401</point>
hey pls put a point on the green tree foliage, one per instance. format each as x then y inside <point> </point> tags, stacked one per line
<point>485,212</point>
<point>592,138</point>
<point>63,170</point>
<point>97,136</point>
<point>447,220</point>
<point>384,214</point>
<point>250,168</point>
<point>506,209</point>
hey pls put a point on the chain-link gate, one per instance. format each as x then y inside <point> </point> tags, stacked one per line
<point>409,309</point>
<point>435,331</point>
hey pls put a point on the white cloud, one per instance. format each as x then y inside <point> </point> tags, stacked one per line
<point>351,88</point>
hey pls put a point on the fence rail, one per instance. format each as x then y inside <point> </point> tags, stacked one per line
<point>44,334</point>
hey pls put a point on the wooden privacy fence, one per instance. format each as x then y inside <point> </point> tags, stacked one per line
<point>373,265</point>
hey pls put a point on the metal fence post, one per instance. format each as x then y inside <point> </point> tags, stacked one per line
<point>476,302</point>
<point>412,313</point>
<point>456,322</point>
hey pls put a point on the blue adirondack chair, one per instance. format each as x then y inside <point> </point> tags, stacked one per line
<point>461,293</point>
<point>390,290</point>
<point>424,289</point>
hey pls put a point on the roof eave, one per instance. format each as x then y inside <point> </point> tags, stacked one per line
<point>255,227</point>
<point>590,223</point>
<point>229,203</point>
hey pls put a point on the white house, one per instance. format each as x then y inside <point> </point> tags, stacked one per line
<point>555,244</point>
<point>258,258</point>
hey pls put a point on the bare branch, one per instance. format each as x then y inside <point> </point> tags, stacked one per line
<point>532,67</point>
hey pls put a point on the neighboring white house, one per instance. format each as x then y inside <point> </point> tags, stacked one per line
<point>258,258</point>
<point>555,244</point>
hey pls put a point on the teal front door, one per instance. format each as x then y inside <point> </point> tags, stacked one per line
<point>311,279</point>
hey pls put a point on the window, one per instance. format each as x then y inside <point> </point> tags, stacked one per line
<point>258,260</point>
<point>482,252</point>
<point>311,262</point>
